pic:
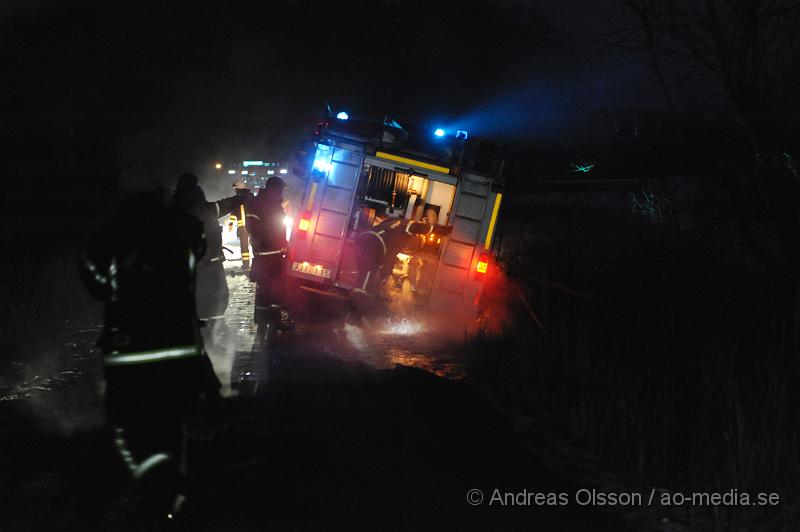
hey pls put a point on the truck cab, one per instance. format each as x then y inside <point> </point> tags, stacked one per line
<point>357,171</point>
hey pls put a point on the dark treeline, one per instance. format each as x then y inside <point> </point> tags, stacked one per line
<point>658,294</point>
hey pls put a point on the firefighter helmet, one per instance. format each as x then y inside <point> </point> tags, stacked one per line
<point>187,180</point>
<point>275,182</point>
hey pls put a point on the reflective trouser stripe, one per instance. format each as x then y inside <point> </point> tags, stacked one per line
<point>92,269</point>
<point>156,355</point>
<point>150,463</point>
<point>122,448</point>
<point>137,470</point>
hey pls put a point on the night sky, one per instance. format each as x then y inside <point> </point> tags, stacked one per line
<point>90,87</point>
<point>235,77</point>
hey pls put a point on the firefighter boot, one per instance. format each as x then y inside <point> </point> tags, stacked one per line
<point>285,323</point>
<point>268,321</point>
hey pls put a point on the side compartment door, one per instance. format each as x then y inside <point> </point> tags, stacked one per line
<point>455,287</point>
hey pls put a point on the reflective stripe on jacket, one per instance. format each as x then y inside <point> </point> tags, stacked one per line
<point>155,355</point>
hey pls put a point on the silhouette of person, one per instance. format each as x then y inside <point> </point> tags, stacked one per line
<point>212,287</point>
<point>155,368</point>
<point>266,227</point>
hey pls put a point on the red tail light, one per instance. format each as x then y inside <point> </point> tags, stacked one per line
<point>483,265</point>
<point>304,224</point>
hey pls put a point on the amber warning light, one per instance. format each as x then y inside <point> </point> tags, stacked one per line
<point>304,224</point>
<point>483,265</point>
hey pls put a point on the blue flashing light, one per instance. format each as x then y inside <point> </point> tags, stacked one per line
<point>439,132</point>
<point>322,159</point>
<point>342,115</point>
<point>461,134</point>
<point>322,166</point>
<point>253,163</point>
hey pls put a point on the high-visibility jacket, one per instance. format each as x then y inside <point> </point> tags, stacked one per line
<point>241,231</point>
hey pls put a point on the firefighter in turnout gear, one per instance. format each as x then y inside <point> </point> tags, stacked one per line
<point>155,368</point>
<point>245,197</point>
<point>377,249</point>
<point>268,232</point>
<point>212,287</point>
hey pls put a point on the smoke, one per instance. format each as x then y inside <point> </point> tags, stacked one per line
<point>355,336</point>
<point>216,186</point>
<point>221,353</point>
<point>236,334</point>
<point>60,387</point>
<point>503,303</point>
<point>48,365</point>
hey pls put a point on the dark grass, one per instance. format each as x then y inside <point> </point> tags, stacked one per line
<point>678,373</point>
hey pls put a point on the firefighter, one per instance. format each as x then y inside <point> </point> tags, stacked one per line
<point>245,197</point>
<point>155,368</point>
<point>377,248</point>
<point>268,232</point>
<point>212,287</point>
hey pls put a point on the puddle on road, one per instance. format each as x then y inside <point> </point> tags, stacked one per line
<point>403,327</point>
<point>407,341</point>
<point>237,333</point>
<point>63,387</point>
<point>59,388</point>
<point>424,341</point>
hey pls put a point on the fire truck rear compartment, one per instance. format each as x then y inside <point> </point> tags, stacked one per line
<point>348,186</point>
<point>411,196</point>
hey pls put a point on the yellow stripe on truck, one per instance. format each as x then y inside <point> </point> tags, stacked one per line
<point>493,221</point>
<point>412,162</point>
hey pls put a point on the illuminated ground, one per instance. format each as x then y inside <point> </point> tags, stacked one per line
<point>409,338</point>
<point>336,437</point>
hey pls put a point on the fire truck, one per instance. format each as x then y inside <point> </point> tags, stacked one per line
<point>356,170</point>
